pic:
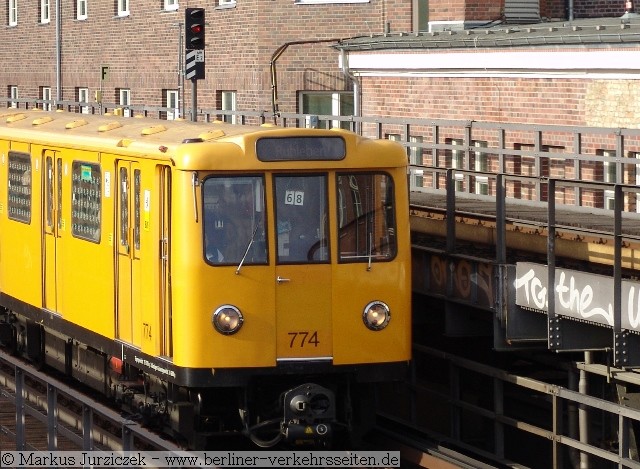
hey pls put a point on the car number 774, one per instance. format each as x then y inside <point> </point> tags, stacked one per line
<point>303,339</point>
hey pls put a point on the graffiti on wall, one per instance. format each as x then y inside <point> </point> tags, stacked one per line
<point>578,295</point>
<point>460,279</point>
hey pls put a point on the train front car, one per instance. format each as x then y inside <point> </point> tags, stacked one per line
<point>290,280</point>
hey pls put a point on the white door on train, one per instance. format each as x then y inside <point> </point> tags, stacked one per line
<point>52,220</point>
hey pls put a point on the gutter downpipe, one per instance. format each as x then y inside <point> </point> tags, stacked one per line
<point>570,10</point>
<point>344,63</point>
<point>58,53</point>
<point>274,77</point>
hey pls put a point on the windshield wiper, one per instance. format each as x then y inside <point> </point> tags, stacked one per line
<point>370,248</point>
<point>248,247</point>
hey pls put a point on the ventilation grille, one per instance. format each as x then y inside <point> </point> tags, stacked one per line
<point>522,11</point>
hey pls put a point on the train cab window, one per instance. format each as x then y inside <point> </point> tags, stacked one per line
<point>366,217</point>
<point>86,201</point>
<point>19,187</point>
<point>234,220</point>
<point>301,219</point>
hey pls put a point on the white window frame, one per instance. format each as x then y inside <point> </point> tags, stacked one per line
<point>336,106</point>
<point>45,95</point>
<point>457,162</point>
<point>171,5</point>
<point>83,97</point>
<point>45,11</point>
<point>415,158</point>
<point>81,9</point>
<point>609,175</point>
<point>226,3</point>
<point>228,103</point>
<point>123,7</point>
<point>13,94</point>
<point>481,163</point>
<point>124,99</point>
<point>13,12</point>
<point>172,98</point>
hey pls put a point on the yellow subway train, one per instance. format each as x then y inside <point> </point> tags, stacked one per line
<point>213,278</point>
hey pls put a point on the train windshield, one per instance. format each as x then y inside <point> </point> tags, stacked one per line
<point>366,217</point>
<point>301,218</point>
<point>234,220</point>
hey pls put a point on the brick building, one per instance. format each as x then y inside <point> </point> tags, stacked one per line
<point>57,50</point>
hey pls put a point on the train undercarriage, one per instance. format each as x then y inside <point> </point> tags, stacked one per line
<point>286,410</point>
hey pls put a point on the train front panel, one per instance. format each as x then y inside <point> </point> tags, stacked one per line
<point>291,262</point>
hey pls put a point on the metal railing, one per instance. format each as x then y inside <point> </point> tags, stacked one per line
<point>81,430</point>
<point>497,415</point>
<point>475,150</point>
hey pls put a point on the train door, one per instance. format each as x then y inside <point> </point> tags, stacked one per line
<point>165,249</point>
<point>128,210</point>
<point>52,226</point>
<point>303,270</point>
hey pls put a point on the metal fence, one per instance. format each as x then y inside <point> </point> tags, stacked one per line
<point>568,153</point>
<point>514,420</point>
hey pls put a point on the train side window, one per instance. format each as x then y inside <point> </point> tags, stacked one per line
<point>19,187</point>
<point>366,217</point>
<point>86,201</point>
<point>234,220</point>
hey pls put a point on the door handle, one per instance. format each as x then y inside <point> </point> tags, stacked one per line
<point>282,280</point>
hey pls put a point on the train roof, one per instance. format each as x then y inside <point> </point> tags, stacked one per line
<point>160,139</point>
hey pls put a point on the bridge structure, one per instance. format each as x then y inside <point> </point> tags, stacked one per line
<point>529,236</point>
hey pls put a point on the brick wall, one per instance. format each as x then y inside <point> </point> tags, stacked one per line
<point>141,49</point>
<point>142,52</point>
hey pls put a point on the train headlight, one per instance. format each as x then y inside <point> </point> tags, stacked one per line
<point>376,315</point>
<point>227,319</point>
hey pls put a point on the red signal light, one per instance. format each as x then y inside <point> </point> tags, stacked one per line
<point>194,28</point>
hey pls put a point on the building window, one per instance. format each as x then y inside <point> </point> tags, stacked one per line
<point>19,187</point>
<point>226,3</point>
<point>415,158</point>
<point>13,12</point>
<point>13,94</point>
<point>228,103</point>
<point>45,96</point>
<point>124,100</point>
<point>457,162</point>
<point>86,201</point>
<point>82,96</point>
<point>81,9</point>
<point>123,7</point>
<point>45,11</point>
<point>609,175</point>
<point>481,163</point>
<point>170,5</point>
<point>171,102</point>
<point>420,15</point>
<point>333,104</point>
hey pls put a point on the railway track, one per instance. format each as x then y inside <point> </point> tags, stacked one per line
<point>109,429</point>
<point>77,421</point>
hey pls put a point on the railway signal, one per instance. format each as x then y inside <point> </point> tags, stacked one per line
<point>194,44</point>
<point>194,28</point>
